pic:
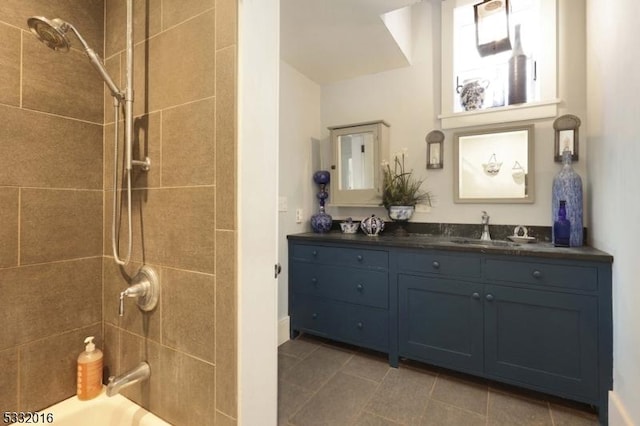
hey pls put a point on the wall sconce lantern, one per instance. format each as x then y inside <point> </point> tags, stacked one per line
<point>566,129</point>
<point>492,27</point>
<point>434,149</point>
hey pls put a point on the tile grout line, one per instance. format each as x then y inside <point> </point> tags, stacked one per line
<point>322,385</point>
<point>19,226</point>
<point>553,423</point>
<point>21,65</point>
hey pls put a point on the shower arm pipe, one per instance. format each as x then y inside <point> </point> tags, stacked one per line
<point>97,64</point>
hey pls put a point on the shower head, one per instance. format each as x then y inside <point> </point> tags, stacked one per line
<point>51,32</point>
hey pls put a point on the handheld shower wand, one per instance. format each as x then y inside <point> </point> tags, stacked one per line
<point>53,33</point>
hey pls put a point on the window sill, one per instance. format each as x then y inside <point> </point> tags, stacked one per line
<point>499,115</point>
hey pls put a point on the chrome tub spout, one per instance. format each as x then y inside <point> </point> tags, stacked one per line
<point>116,384</point>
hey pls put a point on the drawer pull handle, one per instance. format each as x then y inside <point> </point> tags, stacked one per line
<point>537,274</point>
<point>314,281</point>
<point>359,257</point>
<point>314,253</point>
<point>360,288</point>
<point>489,297</point>
<point>436,264</point>
<point>314,315</point>
<point>476,296</point>
<point>360,325</point>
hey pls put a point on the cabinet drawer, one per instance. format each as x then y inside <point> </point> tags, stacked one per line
<point>432,262</point>
<point>359,325</point>
<point>363,326</point>
<point>374,259</point>
<point>552,274</point>
<point>311,314</point>
<point>361,286</point>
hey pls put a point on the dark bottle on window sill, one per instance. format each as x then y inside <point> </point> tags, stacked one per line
<point>517,72</point>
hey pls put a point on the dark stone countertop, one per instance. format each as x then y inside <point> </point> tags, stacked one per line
<point>460,244</point>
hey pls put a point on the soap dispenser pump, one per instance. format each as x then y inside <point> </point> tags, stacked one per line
<point>89,380</point>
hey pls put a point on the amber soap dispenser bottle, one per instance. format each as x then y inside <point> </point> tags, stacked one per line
<point>89,371</point>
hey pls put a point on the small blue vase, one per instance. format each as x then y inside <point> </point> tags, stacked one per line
<point>321,222</point>
<point>567,185</point>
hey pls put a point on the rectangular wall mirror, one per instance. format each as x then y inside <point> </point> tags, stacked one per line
<point>494,166</point>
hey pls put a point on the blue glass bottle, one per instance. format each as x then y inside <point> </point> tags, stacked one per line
<point>567,185</point>
<point>562,227</point>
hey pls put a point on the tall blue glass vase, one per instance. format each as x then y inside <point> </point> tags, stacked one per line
<point>567,185</point>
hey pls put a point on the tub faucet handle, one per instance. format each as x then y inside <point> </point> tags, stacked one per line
<point>145,288</point>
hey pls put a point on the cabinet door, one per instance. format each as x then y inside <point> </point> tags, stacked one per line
<point>544,339</point>
<point>440,321</point>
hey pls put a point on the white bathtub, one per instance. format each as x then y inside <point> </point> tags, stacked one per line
<point>101,411</point>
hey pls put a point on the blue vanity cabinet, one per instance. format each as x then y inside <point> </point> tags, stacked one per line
<point>545,339</point>
<point>535,317</point>
<point>341,293</point>
<point>441,322</point>
<point>548,325</point>
<point>440,308</point>
<point>543,324</point>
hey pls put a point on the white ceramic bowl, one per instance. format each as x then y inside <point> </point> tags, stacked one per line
<point>349,227</point>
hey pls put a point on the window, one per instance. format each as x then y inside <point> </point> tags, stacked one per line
<point>462,64</point>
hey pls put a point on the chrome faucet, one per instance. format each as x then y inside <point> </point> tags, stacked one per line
<point>485,227</point>
<point>116,384</point>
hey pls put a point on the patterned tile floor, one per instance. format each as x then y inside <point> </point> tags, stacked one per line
<point>326,383</point>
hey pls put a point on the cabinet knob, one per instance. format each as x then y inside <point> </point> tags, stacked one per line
<point>536,274</point>
<point>359,257</point>
<point>314,281</point>
<point>489,297</point>
<point>360,287</point>
<point>436,264</point>
<point>360,325</point>
<point>314,253</point>
<point>314,315</point>
<point>476,296</point>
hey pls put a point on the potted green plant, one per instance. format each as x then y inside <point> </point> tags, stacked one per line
<point>401,191</point>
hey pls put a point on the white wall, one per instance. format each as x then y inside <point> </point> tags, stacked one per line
<point>258,71</point>
<point>299,122</point>
<point>409,100</point>
<point>614,152</point>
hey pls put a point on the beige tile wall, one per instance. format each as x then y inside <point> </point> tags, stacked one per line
<point>183,209</point>
<point>50,204</point>
<point>56,160</point>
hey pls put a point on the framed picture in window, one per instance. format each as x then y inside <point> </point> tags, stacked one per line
<point>566,130</point>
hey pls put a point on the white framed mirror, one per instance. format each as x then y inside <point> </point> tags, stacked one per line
<point>357,153</point>
<point>494,165</point>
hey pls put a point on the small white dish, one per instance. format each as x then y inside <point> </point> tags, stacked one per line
<point>521,239</point>
<point>524,238</point>
<point>349,227</point>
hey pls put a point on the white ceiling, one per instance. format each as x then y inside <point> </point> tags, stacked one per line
<point>332,40</point>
